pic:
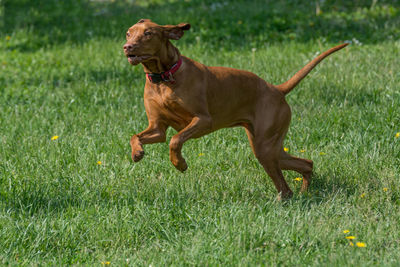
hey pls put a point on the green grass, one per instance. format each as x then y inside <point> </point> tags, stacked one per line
<point>57,206</point>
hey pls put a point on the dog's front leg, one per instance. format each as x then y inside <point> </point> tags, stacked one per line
<point>198,127</point>
<point>155,133</point>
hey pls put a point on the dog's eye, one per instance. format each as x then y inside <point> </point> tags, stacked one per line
<point>147,33</point>
<point>128,34</point>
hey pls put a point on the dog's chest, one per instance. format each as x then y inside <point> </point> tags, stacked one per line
<point>171,108</point>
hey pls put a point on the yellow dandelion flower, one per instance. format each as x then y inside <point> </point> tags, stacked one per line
<point>99,162</point>
<point>397,135</point>
<point>240,22</point>
<point>8,38</point>
<point>322,153</point>
<point>351,244</point>
<point>298,179</point>
<point>285,149</point>
<point>54,138</point>
<point>350,237</point>
<point>385,189</point>
<point>361,244</point>
<point>362,195</point>
<point>105,263</point>
<point>302,151</point>
<point>201,154</point>
<point>346,231</point>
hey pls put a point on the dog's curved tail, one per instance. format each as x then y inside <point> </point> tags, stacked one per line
<point>286,87</point>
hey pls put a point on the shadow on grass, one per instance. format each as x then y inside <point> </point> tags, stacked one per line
<point>324,190</point>
<point>34,198</point>
<point>225,24</point>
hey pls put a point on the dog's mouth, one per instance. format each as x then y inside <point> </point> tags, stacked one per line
<point>136,59</point>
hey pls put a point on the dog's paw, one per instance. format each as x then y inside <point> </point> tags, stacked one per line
<point>180,165</point>
<point>284,196</point>
<point>306,182</point>
<point>137,155</point>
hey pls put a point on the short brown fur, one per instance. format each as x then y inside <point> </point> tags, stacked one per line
<point>204,99</point>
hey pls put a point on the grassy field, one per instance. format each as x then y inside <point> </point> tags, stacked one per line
<point>63,73</point>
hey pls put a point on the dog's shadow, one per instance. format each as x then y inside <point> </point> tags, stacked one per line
<point>323,190</point>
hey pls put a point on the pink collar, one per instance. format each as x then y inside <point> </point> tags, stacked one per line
<point>166,76</point>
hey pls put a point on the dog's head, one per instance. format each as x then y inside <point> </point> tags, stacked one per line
<point>145,39</point>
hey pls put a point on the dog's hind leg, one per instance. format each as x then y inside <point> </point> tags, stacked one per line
<point>302,166</point>
<point>267,149</point>
<point>267,153</point>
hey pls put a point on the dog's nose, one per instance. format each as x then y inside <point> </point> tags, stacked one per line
<point>128,46</point>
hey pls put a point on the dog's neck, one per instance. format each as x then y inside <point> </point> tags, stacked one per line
<point>165,58</point>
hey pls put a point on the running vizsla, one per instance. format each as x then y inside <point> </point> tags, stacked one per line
<point>196,100</point>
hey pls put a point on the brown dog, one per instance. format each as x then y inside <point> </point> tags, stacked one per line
<point>196,100</point>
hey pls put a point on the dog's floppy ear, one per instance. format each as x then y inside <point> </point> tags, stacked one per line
<point>143,20</point>
<point>175,31</point>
